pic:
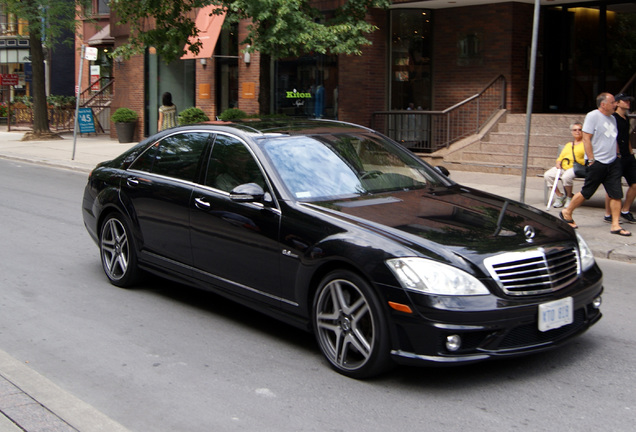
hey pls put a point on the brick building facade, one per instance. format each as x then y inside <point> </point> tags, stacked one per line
<point>470,46</point>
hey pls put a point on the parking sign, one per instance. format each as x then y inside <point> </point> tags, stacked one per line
<point>85,120</point>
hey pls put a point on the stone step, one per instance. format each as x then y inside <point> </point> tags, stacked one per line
<point>535,129</point>
<point>517,148</point>
<point>542,142</point>
<point>501,150</point>
<point>558,120</point>
<point>493,169</point>
<point>507,159</point>
<point>539,140</point>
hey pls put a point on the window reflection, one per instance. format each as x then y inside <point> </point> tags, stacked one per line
<point>343,165</point>
<point>231,164</point>
<point>176,156</point>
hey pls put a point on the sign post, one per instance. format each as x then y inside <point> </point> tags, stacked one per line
<point>87,53</point>
<point>9,80</point>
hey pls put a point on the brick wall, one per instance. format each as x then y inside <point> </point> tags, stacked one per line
<point>205,76</point>
<point>362,86</point>
<point>129,90</point>
<point>504,32</point>
<point>248,74</point>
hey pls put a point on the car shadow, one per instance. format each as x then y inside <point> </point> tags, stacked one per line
<point>228,310</point>
<point>416,377</point>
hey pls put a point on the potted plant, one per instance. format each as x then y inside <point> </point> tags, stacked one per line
<point>232,114</point>
<point>125,121</point>
<point>192,115</point>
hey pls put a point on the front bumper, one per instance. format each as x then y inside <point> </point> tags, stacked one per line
<point>508,331</point>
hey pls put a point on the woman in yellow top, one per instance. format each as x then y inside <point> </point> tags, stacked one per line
<point>167,113</point>
<point>564,162</point>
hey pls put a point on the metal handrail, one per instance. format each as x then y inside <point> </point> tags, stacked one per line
<point>429,131</point>
<point>88,98</point>
<point>99,102</point>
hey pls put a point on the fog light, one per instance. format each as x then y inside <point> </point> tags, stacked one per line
<point>453,342</point>
<point>596,303</point>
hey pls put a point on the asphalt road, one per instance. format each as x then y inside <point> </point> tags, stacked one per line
<point>164,357</point>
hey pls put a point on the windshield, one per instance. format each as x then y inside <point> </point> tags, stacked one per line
<point>321,167</point>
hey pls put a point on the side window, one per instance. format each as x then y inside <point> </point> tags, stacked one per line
<point>145,161</point>
<point>176,156</point>
<point>231,164</point>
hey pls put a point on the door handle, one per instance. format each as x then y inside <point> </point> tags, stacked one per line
<point>132,181</point>
<point>202,203</point>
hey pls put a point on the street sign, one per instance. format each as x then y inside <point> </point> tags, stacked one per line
<point>90,53</point>
<point>85,120</point>
<point>9,79</point>
<point>28,72</point>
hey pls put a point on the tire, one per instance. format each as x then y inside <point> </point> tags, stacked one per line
<point>350,327</point>
<point>117,250</point>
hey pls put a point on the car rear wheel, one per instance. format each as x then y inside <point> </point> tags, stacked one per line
<point>117,250</point>
<point>350,327</point>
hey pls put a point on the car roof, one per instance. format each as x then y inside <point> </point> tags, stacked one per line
<point>286,126</point>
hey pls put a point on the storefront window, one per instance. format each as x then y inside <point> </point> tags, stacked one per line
<point>226,60</point>
<point>410,62</point>
<point>307,87</point>
<point>590,50</point>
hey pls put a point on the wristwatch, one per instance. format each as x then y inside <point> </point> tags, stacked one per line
<point>590,161</point>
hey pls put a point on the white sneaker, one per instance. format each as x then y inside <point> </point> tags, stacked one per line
<point>559,201</point>
<point>567,201</point>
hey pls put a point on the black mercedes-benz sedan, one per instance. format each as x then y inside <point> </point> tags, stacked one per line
<point>336,229</point>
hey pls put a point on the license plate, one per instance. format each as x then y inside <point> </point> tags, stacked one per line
<point>556,314</point>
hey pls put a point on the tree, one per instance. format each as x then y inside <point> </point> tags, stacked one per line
<point>47,20</point>
<point>278,28</point>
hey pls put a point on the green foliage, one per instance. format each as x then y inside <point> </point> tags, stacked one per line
<point>279,28</point>
<point>59,16</point>
<point>24,100</point>
<point>124,115</point>
<point>57,101</point>
<point>192,115</point>
<point>48,22</point>
<point>232,114</point>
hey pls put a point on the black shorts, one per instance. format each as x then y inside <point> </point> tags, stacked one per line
<point>629,169</point>
<point>608,175</point>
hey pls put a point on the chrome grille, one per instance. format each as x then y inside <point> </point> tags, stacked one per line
<point>536,271</point>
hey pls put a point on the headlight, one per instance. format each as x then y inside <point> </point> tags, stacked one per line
<point>430,277</point>
<point>587,257</point>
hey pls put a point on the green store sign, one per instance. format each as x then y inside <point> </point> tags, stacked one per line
<point>297,95</point>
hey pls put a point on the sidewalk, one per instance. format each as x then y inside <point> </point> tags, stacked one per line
<point>29,400</point>
<point>90,150</point>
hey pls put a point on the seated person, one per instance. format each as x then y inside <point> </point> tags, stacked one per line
<point>572,150</point>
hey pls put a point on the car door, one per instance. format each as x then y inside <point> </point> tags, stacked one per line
<point>158,191</point>
<point>235,245</point>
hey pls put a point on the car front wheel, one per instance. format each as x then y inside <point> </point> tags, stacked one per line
<point>350,327</point>
<point>119,258</point>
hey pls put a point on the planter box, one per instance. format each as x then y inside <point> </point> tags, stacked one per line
<point>125,132</point>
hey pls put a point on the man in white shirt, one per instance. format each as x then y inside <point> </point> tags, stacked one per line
<point>599,139</point>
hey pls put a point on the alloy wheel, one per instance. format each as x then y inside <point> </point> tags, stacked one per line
<point>349,327</point>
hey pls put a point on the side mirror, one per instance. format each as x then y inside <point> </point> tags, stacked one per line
<point>443,170</point>
<point>249,192</point>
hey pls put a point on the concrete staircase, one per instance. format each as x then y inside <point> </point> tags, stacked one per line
<point>500,149</point>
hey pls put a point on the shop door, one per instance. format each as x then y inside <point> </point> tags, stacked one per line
<point>587,50</point>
